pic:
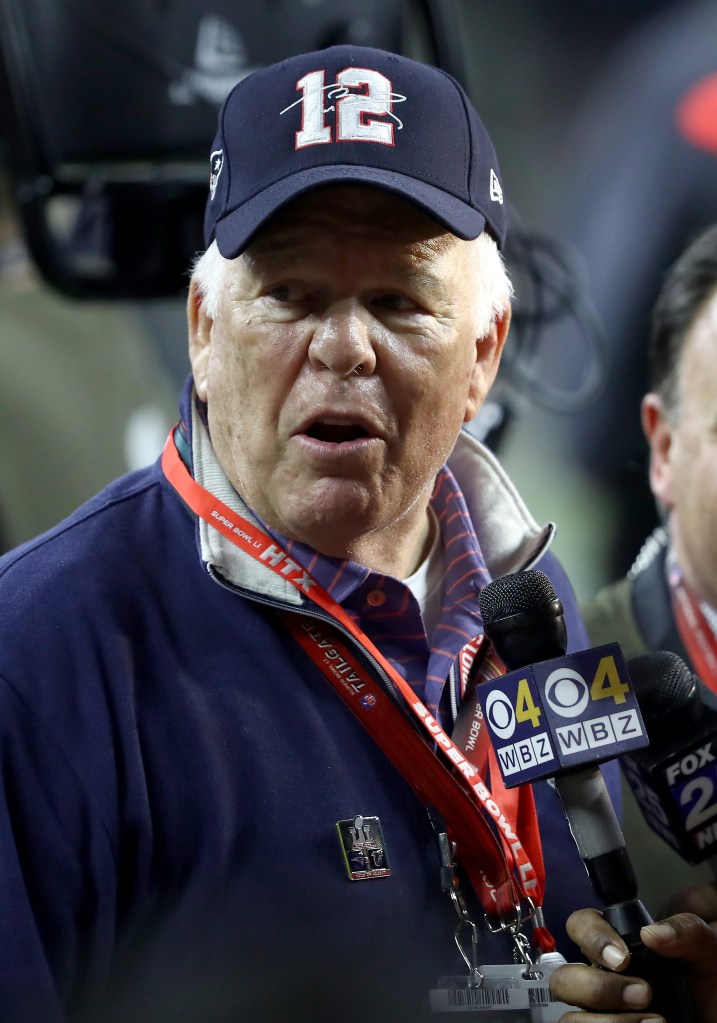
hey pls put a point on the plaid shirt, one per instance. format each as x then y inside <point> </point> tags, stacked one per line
<point>387,611</point>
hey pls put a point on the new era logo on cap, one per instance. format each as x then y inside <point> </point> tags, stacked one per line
<point>496,192</point>
<point>355,115</point>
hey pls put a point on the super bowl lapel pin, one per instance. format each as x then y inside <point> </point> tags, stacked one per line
<point>363,848</point>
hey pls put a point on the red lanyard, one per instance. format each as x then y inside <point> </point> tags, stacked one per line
<point>480,853</point>
<point>694,629</point>
<point>457,792</point>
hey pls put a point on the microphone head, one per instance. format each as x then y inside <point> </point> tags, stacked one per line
<point>523,618</point>
<point>516,593</point>
<point>673,779</point>
<point>667,691</point>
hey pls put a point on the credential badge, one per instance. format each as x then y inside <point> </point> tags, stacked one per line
<point>363,847</point>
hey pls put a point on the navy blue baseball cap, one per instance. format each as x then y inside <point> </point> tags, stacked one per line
<point>350,114</point>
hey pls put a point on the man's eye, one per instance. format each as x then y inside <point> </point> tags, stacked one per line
<point>286,293</point>
<point>394,302</point>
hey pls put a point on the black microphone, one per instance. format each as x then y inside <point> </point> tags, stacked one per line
<point>523,618</point>
<point>674,780</point>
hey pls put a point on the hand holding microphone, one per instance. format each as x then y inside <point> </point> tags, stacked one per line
<point>559,716</point>
<point>682,937</point>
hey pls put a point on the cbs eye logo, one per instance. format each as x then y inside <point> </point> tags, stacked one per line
<point>567,692</point>
<point>500,714</point>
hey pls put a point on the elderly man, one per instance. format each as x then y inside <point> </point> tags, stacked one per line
<point>228,682</point>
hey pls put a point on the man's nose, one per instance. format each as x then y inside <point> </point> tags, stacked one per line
<point>342,342</point>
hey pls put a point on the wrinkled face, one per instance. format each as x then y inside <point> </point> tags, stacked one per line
<point>340,365</point>
<point>687,476</point>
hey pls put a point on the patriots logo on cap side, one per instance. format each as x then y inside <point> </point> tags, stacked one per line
<point>216,162</point>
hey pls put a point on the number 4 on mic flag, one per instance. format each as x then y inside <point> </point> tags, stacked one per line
<point>559,714</point>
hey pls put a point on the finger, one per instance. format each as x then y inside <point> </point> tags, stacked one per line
<point>589,988</point>
<point>689,938</point>
<point>684,936</point>
<point>597,939</point>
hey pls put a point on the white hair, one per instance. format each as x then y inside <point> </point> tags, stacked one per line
<point>208,272</point>
<point>492,283</point>
<point>493,287</point>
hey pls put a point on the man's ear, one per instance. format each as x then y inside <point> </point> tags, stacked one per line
<point>489,349</point>
<point>200,336</point>
<point>658,431</point>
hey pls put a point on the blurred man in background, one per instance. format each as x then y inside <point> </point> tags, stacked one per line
<point>668,600</point>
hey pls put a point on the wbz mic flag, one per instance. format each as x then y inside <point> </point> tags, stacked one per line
<point>560,714</point>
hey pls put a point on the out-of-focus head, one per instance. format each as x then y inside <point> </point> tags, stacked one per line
<point>679,414</point>
<point>687,287</point>
<point>351,115</point>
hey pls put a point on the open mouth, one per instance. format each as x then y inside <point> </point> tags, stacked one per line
<point>336,433</point>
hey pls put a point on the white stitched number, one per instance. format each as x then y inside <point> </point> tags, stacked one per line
<point>313,130</point>
<point>353,109</point>
<point>704,806</point>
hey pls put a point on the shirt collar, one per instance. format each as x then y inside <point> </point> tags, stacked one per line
<point>466,571</point>
<point>506,537</point>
